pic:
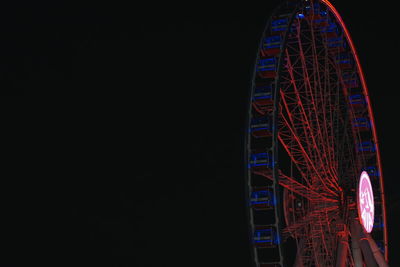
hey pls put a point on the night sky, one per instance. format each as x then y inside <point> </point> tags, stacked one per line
<point>152,124</point>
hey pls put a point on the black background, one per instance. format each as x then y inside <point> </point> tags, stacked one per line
<point>153,111</point>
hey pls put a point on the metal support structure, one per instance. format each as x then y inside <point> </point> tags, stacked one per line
<point>342,249</point>
<point>355,247</point>
<point>376,252</point>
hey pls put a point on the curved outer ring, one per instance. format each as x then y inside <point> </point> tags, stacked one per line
<point>246,142</point>
<point>365,89</point>
<point>277,213</point>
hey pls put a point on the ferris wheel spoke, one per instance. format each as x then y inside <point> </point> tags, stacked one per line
<point>294,186</point>
<point>312,85</point>
<point>303,127</point>
<point>322,102</point>
<point>298,228</point>
<point>300,157</point>
<point>300,250</point>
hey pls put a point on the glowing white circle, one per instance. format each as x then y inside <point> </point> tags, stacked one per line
<point>366,202</point>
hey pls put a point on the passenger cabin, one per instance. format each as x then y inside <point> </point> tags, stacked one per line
<point>265,236</point>
<point>336,44</point>
<point>271,46</point>
<point>330,30</point>
<point>267,67</point>
<point>378,222</point>
<point>262,99</point>
<point>372,171</point>
<point>357,101</point>
<point>361,124</point>
<point>367,147</point>
<point>350,79</point>
<point>260,162</point>
<point>280,24</point>
<point>261,127</point>
<point>262,198</point>
<point>344,60</point>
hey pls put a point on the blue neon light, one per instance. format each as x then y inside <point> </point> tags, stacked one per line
<point>266,64</point>
<point>260,231</point>
<point>263,97</point>
<point>263,241</point>
<point>260,202</point>
<point>259,194</point>
<point>272,42</point>
<point>266,236</point>
<point>372,171</point>
<point>320,20</point>
<point>381,246</point>
<point>367,146</point>
<point>257,156</point>
<point>260,159</point>
<point>263,194</point>
<point>356,99</point>
<point>277,239</point>
<point>336,42</point>
<point>362,122</point>
<point>279,22</point>
<point>259,129</point>
<point>330,28</point>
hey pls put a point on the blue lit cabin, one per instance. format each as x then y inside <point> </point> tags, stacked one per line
<point>378,222</point>
<point>357,101</point>
<point>361,124</point>
<point>372,171</point>
<point>280,24</point>
<point>330,30</point>
<point>350,79</point>
<point>262,198</point>
<point>261,162</point>
<point>366,146</point>
<point>261,127</point>
<point>271,46</point>
<point>262,99</point>
<point>336,44</point>
<point>321,22</point>
<point>344,60</point>
<point>320,19</point>
<point>267,67</point>
<point>381,246</point>
<point>265,236</point>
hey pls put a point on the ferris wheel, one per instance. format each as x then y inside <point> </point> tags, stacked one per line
<point>314,177</point>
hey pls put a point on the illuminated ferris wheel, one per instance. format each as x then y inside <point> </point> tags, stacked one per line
<point>314,179</point>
